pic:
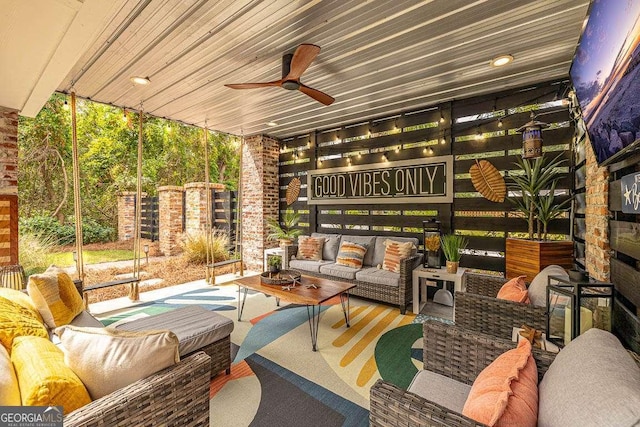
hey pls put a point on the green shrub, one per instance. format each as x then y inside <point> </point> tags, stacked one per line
<point>33,252</point>
<point>49,228</point>
<point>194,246</point>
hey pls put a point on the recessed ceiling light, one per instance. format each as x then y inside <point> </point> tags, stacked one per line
<point>501,60</point>
<point>272,124</point>
<point>140,80</point>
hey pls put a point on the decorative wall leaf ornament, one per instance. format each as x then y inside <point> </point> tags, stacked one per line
<point>487,181</point>
<point>293,190</point>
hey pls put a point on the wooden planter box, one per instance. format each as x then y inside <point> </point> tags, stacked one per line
<point>528,257</point>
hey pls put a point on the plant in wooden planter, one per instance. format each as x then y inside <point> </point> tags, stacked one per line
<point>284,232</point>
<point>536,187</point>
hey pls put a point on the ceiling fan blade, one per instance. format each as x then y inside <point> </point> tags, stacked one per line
<point>302,58</point>
<point>316,94</point>
<point>254,85</point>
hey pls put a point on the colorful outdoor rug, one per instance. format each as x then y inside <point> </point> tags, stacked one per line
<point>278,380</point>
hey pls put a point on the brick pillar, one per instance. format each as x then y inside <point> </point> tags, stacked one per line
<point>170,218</point>
<point>127,214</point>
<point>259,195</point>
<point>196,205</point>
<point>597,257</point>
<point>8,186</point>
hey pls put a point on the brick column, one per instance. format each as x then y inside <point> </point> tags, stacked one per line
<point>196,205</point>
<point>8,186</point>
<point>127,214</point>
<point>597,257</point>
<point>259,195</point>
<point>170,218</point>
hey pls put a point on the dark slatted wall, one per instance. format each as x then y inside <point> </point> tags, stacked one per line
<point>624,238</point>
<point>482,127</point>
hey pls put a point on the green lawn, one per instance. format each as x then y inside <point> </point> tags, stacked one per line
<point>65,259</point>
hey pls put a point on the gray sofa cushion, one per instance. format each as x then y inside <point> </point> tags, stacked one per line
<point>368,241</point>
<point>339,271</point>
<point>379,248</point>
<point>538,286</point>
<point>593,381</point>
<point>307,265</point>
<point>378,276</point>
<point>439,389</point>
<point>331,245</point>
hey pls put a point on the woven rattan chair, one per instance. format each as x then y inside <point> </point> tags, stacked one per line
<point>478,309</point>
<point>450,351</point>
<point>12,276</point>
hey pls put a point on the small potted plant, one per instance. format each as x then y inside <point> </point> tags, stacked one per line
<point>286,232</point>
<point>452,244</point>
<point>274,263</point>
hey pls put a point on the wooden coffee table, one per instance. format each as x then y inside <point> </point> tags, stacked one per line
<point>312,292</point>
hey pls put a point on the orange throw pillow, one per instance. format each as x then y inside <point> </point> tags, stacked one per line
<point>505,393</point>
<point>515,290</point>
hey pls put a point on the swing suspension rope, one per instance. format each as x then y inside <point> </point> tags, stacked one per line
<point>133,291</point>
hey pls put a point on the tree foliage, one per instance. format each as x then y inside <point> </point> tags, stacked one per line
<point>173,154</point>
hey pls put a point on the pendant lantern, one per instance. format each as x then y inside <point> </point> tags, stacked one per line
<point>532,138</point>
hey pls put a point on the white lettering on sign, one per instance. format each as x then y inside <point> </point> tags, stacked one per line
<point>389,182</point>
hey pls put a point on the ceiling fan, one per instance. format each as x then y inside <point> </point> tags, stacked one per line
<point>293,65</point>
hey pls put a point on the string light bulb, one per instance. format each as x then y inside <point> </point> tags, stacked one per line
<point>441,118</point>
<point>66,105</point>
<point>499,123</point>
<point>398,149</point>
<point>443,140</point>
<point>320,162</point>
<point>384,157</point>
<point>478,135</point>
<point>348,160</point>
<point>430,151</point>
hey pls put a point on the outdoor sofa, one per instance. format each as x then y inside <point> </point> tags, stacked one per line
<point>593,381</point>
<point>371,280</point>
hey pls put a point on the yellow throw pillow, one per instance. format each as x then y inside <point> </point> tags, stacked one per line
<point>22,299</point>
<point>108,359</point>
<point>394,252</point>
<point>16,320</point>
<point>44,378</point>
<point>56,297</point>
<point>9,390</point>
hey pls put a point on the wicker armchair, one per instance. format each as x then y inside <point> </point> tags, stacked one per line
<point>175,396</point>
<point>450,351</point>
<point>478,309</point>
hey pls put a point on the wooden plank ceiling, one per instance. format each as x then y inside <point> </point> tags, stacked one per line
<point>378,57</point>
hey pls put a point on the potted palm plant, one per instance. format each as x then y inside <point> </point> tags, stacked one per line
<point>535,188</point>
<point>274,263</point>
<point>285,231</point>
<point>452,244</point>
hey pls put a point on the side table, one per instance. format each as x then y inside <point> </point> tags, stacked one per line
<point>419,288</point>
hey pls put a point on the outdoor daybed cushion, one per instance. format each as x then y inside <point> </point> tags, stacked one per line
<point>195,326</point>
<point>107,359</point>
<point>9,390</point>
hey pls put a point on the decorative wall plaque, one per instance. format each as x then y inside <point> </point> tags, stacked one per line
<point>424,180</point>
<point>630,190</point>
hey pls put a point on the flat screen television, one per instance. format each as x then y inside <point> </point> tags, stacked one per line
<point>605,73</point>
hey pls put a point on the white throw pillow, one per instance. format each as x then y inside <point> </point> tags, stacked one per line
<point>9,390</point>
<point>108,359</point>
<point>538,286</point>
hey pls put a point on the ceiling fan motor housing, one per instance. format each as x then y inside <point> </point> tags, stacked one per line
<point>286,68</point>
